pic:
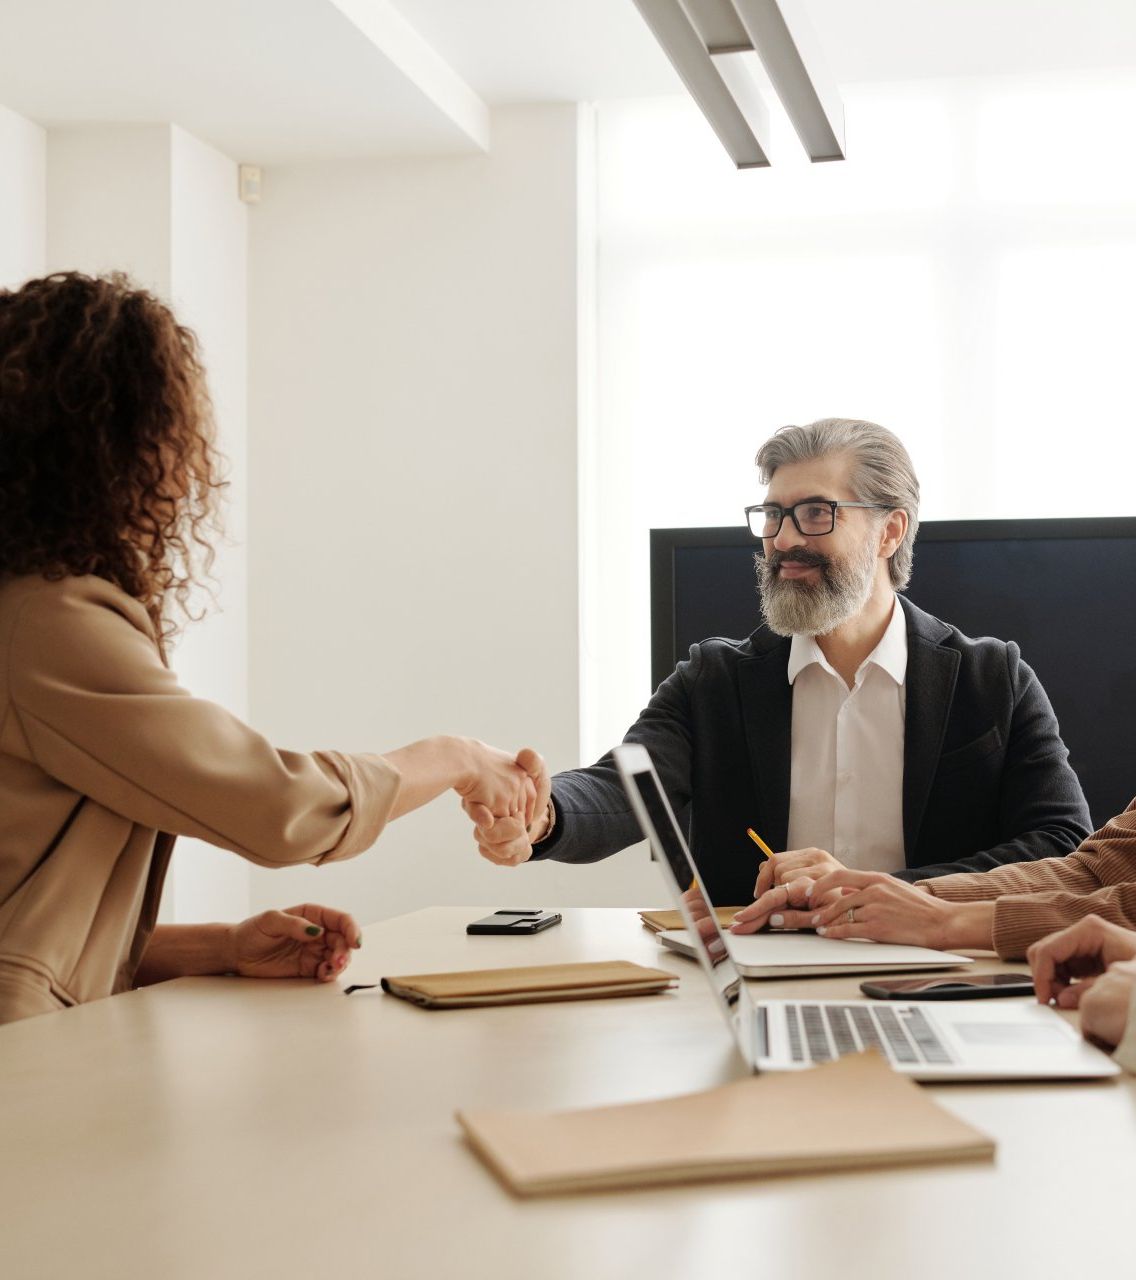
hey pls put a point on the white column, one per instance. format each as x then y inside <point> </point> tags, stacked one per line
<point>23,195</point>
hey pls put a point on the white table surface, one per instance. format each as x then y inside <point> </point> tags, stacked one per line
<point>216,1127</point>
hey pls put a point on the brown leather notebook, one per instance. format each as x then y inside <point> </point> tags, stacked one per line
<point>852,1113</point>
<point>530,985</point>
<point>657,921</point>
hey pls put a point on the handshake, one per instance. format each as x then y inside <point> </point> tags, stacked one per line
<point>507,800</point>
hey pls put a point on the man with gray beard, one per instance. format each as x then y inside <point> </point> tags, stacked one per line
<point>852,729</point>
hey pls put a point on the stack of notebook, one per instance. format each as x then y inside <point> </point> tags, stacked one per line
<point>529,985</point>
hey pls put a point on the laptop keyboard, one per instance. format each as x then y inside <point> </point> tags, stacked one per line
<point>822,1032</point>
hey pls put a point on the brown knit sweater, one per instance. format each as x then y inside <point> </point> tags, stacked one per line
<point>1035,898</point>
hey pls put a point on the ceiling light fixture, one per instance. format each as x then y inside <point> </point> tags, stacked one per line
<point>707,42</point>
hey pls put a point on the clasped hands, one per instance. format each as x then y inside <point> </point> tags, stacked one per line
<point>810,889</point>
<point>506,799</point>
<point>1090,966</point>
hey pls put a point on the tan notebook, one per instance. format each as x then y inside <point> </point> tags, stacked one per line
<point>529,985</point>
<point>851,1113</point>
<point>657,921</point>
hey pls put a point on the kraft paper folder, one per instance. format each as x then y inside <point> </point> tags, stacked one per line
<point>660,921</point>
<point>587,981</point>
<point>852,1113</point>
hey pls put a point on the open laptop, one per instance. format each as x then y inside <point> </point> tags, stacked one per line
<point>967,1040</point>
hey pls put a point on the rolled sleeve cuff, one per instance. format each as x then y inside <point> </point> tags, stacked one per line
<point>372,786</point>
<point>544,846</point>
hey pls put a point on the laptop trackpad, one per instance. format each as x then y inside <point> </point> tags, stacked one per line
<point>1020,1034</point>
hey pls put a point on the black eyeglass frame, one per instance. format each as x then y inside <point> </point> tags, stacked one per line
<point>791,512</point>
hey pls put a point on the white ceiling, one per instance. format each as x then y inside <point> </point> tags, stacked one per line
<point>263,80</point>
<point>280,80</point>
<point>526,50</point>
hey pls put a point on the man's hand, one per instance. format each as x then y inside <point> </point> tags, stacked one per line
<point>499,784</point>
<point>794,864</point>
<point>507,840</point>
<point>1105,1008</point>
<point>1066,964</point>
<point>307,941</point>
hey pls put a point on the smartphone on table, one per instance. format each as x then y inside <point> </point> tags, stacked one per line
<point>951,986</point>
<point>515,920</point>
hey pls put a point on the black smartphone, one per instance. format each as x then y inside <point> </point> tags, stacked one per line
<point>951,987</point>
<point>515,920</point>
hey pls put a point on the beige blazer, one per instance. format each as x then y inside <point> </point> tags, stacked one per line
<point>104,759</point>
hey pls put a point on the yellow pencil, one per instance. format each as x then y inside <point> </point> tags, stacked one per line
<point>760,843</point>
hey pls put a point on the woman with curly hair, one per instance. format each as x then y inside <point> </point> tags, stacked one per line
<point>108,483</point>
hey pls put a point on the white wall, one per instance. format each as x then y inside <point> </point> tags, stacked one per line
<point>108,201</point>
<point>155,202</point>
<point>413,421</point>
<point>23,198</point>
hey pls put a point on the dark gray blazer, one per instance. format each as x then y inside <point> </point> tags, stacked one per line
<point>986,777</point>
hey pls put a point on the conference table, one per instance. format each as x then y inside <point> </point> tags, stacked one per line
<point>217,1127</point>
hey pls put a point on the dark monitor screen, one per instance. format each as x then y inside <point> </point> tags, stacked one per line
<point>1064,590</point>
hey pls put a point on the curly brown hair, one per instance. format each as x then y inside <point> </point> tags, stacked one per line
<point>107,458</point>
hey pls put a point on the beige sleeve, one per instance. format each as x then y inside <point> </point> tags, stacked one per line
<point>97,709</point>
<point>1037,898</point>
<point>1072,874</point>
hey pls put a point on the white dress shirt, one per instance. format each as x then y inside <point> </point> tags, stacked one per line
<point>846,784</point>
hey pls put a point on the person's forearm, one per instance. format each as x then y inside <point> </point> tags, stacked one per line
<point>593,817</point>
<point>970,927</point>
<point>186,951</point>
<point>427,769</point>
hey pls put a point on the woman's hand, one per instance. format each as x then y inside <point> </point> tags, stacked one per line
<point>507,840</point>
<point>307,941</point>
<point>794,864</point>
<point>499,784</point>
<point>878,906</point>
<point>1067,963</point>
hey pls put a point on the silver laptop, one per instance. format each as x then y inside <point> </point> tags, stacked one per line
<point>964,1040</point>
<point>802,954</point>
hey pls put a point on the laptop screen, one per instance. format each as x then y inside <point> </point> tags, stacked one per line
<point>656,817</point>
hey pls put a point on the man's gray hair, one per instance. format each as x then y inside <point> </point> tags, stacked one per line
<point>881,471</point>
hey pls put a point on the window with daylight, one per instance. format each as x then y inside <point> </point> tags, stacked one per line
<point>966,278</point>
